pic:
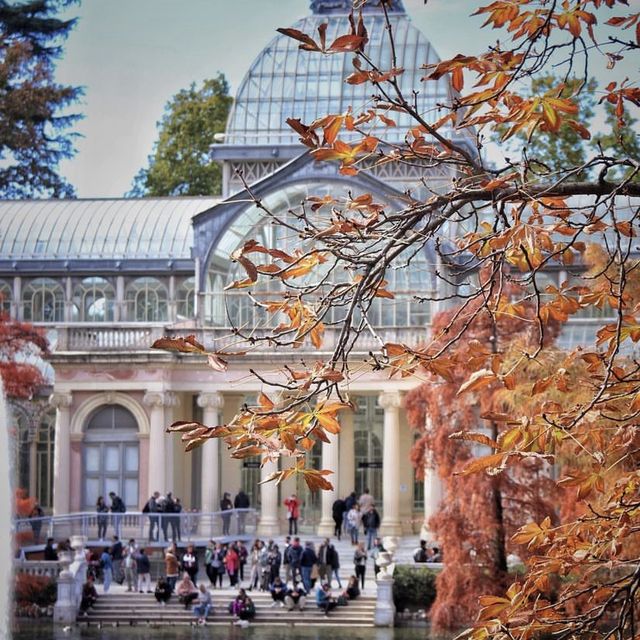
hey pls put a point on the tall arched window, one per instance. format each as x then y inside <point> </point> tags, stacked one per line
<point>45,437</point>
<point>186,299</point>
<point>111,456</point>
<point>147,300</point>
<point>94,301</point>
<point>5,297</point>
<point>43,301</point>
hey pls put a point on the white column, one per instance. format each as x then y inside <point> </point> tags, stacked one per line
<point>432,498</point>
<point>62,453</point>
<point>331,461</point>
<point>157,465</point>
<point>391,403</point>
<point>269,524</point>
<point>211,404</point>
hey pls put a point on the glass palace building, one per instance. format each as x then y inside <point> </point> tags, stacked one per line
<point>107,277</point>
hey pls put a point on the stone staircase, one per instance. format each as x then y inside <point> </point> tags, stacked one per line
<point>120,609</point>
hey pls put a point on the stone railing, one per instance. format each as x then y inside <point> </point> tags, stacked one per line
<point>46,568</point>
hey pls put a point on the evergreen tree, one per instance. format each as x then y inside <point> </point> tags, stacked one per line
<point>34,134</point>
<point>180,164</point>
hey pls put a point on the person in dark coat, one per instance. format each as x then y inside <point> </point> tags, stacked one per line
<point>152,507</point>
<point>308,559</point>
<point>241,501</point>
<point>117,509</point>
<point>338,510</point>
<point>371,524</point>
<point>163,591</point>
<point>49,552</point>
<point>226,506</point>
<point>89,595</point>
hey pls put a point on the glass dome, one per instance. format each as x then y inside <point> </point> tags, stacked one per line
<point>286,82</point>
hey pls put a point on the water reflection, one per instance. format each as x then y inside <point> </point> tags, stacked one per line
<point>46,631</point>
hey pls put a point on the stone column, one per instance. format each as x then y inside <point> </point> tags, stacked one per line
<point>61,453</point>
<point>211,404</point>
<point>391,403</point>
<point>330,460</point>
<point>157,401</point>
<point>269,524</point>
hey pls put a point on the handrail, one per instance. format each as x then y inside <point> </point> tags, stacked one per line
<point>187,526</point>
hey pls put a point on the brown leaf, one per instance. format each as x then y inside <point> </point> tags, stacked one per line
<point>183,345</point>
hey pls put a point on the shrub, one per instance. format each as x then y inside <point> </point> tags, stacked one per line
<point>38,590</point>
<point>413,587</point>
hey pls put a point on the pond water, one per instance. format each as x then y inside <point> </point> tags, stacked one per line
<point>46,631</point>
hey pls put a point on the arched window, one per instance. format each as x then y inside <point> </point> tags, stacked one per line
<point>186,299</point>
<point>45,437</point>
<point>5,297</point>
<point>147,300</point>
<point>43,301</point>
<point>94,301</point>
<point>111,456</point>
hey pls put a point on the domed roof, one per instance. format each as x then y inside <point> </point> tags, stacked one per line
<point>285,81</point>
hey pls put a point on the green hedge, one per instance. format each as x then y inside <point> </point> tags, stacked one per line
<point>413,587</point>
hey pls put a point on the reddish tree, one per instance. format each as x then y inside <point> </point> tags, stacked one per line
<point>21,346</point>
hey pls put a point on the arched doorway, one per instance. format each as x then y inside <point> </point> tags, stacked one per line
<point>110,457</point>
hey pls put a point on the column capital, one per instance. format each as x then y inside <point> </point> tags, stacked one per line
<point>390,400</point>
<point>160,399</point>
<point>211,400</point>
<point>60,400</point>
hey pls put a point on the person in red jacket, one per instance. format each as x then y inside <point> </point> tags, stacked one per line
<point>293,513</point>
<point>232,564</point>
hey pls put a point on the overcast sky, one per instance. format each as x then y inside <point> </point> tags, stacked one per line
<point>131,56</point>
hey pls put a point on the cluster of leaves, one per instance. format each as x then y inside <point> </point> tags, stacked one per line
<point>180,164</point>
<point>38,590</point>
<point>33,108</point>
<point>498,231</point>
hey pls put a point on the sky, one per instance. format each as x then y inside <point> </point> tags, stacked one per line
<point>132,56</point>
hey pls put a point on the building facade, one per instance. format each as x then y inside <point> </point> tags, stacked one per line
<point>105,278</point>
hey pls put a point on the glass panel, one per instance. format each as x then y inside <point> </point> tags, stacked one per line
<point>111,484</point>
<point>131,458</point>
<point>112,458</point>
<point>92,459</point>
<point>91,491</point>
<point>130,493</point>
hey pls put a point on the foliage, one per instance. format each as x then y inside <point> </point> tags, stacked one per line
<point>21,345</point>
<point>180,164</point>
<point>38,590</point>
<point>34,119</point>
<point>502,235</point>
<point>413,587</point>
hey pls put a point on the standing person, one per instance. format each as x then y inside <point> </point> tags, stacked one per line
<point>371,523</point>
<point>254,563</point>
<point>241,502</point>
<point>116,560</point>
<point>176,521</point>
<point>324,570</point>
<point>275,560</point>
<point>307,560</point>
<point>353,523</point>
<point>338,509</point>
<point>232,564</point>
<point>285,559</point>
<point>169,508</point>
<point>295,555</point>
<point>243,554</point>
<point>360,562</point>
<point>349,501</point>
<point>102,510</point>
<point>365,501</point>
<point>50,554</point>
<point>211,572</point>
<point>143,567</point>
<point>378,548</point>
<point>217,563</point>
<point>226,506</point>
<point>334,562</point>
<point>190,563</point>
<point>171,565</point>
<point>107,569</point>
<point>130,564</point>
<point>152,507</point>
<point>36,516</point>
<point>117,508</point>
<point>293,513</point>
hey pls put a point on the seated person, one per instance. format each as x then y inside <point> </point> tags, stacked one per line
<point>435,555</point>
<point>89,595</point>
<point>204,604</point>
<point>242,607</point>
<point>163,591</point>
<point>324,599</point>
<point>296,596</point>
<point>186,590</point>
<point>353,590</point>
<point>278,591</point>
<point>421,554</point>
